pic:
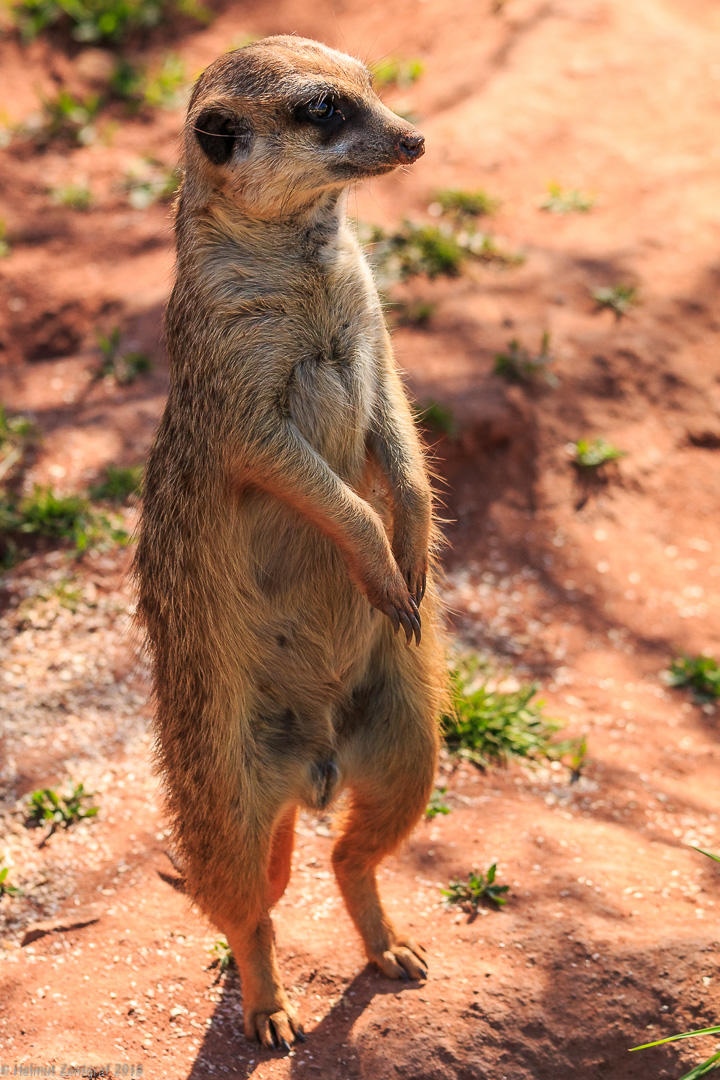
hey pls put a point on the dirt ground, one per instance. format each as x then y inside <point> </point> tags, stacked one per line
<point>609,937</point>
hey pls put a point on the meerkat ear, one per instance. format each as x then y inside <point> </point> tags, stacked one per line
<point>221,132</point>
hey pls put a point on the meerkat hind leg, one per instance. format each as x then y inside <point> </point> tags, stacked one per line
<point>391,763</point>
<point>268,1015</point>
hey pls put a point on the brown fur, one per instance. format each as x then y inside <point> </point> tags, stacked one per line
<point>285,489</point>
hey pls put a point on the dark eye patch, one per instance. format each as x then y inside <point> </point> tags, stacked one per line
<point>220,133</point>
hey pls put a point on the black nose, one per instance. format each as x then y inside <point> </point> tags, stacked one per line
<point>410,147</point>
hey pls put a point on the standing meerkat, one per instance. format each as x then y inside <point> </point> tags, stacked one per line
<point>287,530</point>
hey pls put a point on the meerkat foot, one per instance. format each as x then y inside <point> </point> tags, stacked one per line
<point>404,959</point>
<point>275,1028</point>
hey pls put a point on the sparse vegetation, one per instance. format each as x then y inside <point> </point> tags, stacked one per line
<point>222,956</point>
<point>462,205</point>
<point>108,21</point>
<point>594,455</point>
<point>75,196</point>
<point>4,242</point>
<point>438,417</point>
<point>6,888</point>
<point>64,118</point>
<point>620,299</point>
<point>416,313</point>
<point>434,251</point>
<point>48,806</point>
<point>572,201</point>
<point>150,182</point>
<point>437,804</point>
<point>164,87</point>
<point>57,517</point>
<point>700,673</point>
<point>17,435</point>
<point>115,364</point>
<point>711,1064</point>
<point>119,483</point>
<point>477,888</point>
<point>396,71</point>
<point>488,725</point>
<point>518,364</point>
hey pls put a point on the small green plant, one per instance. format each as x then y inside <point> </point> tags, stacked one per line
<point>412,312</point>
<point>566,202</point>
<point>75,196</point>
<point>57,517</point>
<point>223,957</point>
<point>165,87</point>
<point>118,483</point>
<point>432,250</point>
<point>65,118</point>
<point>577,759</point>
<point>48,807</point>
<point>123,367</point>
<point>478,888</point>
<point>711,1064</point>
<point>108,21</point>
<point>462,205</point>
<point>67,592</point>
<point>620,299</point>
<point>396,71</point>
<point>700,673</point>
<point>439,417</point>
<point>149,183</point>
<point>6,889</point>
<point>489,726</point>
<point>594,455</point>
<point>437,803</point>
<point>17,436</point>
<point>518,364</point>
<point>162,87</point>
<point>4,242</point>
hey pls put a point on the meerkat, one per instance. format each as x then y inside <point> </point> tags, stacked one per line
<point>287,529</point>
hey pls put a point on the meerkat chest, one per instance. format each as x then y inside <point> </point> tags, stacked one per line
<point>330,393</point>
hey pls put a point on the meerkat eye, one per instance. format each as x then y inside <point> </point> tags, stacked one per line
<point>319,111</point>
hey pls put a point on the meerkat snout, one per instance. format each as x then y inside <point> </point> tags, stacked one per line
<point>279,123</point>
<point>410,147</point>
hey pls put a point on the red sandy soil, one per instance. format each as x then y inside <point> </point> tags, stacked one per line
<point>609,937</point>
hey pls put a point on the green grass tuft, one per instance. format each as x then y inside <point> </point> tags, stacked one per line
<point>115,364</point>
<point>490,726</point>
<point>118,483</point>
<point>437,804</point>
<point>595,454</point>
<point>162,87</point>
<point>620,299</point>
<point>438,417</point>
<point>48,806</point>
<point>74,196</point>
<point>566,202</point>
<point>478,888</point>
<point>223,957</point>
<point>6,889</point>
<point>396,71</point>
<point>518,364</point>
<point>431,250</point>
<point>107,21</point>
<point>700,673</point>
<point>5,248</point>
<point>150,182</point>
<point>462,205</point>
<point>57,517</point>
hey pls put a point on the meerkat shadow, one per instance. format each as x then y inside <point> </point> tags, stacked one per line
<point>226,1050</point>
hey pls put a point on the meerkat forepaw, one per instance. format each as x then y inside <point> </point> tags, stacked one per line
<point>275,1031</point>
<point>403,961</point>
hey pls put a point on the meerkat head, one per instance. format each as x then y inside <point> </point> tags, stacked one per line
<point>281,122</point>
